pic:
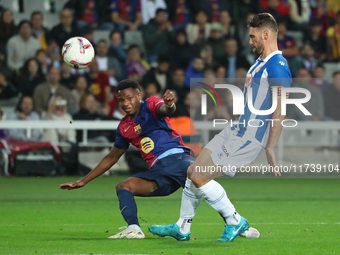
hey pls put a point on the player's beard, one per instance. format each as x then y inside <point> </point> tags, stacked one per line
<point>258,50</point>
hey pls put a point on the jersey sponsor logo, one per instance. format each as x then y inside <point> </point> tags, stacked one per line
<point>249,80</point>
<point>224,149</point>
<point>126,129</point>
<point>138,129</point>
<point>147,144</point>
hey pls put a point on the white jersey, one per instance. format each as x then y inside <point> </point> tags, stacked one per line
<point>273,71</point>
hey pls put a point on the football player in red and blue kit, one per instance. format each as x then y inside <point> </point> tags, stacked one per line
<point>146,126</point>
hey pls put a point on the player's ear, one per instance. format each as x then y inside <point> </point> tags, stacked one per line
<point>140,96</point>
<point>265,34</point>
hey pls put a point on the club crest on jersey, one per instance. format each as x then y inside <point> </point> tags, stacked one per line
<point>249,80</point>
<point>258,69</point>
<point>138,129</point>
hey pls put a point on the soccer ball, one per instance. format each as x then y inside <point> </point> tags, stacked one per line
<point>77,52</point>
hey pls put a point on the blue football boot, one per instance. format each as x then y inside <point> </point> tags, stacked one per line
<point>170,230</point>
<point>231,231</point>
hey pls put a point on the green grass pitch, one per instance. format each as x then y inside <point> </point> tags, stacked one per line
<point>294,216</point>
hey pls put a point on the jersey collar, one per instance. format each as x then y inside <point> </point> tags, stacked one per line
<point>269,56</point>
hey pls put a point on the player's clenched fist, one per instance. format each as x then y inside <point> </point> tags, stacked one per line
<point>168,97</point>
<point>72,185</point>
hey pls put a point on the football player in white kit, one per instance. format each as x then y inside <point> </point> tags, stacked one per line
<point>241,143</point>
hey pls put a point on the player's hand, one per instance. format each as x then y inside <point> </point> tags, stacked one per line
<point>168,97</point>
<point>72,185</point>
<point>271,161</point>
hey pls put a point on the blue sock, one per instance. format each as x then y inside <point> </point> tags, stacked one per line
<point>127,206</point>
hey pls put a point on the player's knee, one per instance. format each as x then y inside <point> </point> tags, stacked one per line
<point>189,171</point>
<point>123,185</point>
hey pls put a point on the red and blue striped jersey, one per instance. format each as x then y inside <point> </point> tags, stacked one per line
<point>151,133</point>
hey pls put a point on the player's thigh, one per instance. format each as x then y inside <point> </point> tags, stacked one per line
<point>205,154</point>
<point>138,186</point>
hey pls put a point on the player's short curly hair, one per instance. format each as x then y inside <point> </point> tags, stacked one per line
<point>263,20</point>
<point>128,83</point>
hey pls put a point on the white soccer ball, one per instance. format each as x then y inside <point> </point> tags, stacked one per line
<point>77,52</point>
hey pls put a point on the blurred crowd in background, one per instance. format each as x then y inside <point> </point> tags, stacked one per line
<point>161,44</point>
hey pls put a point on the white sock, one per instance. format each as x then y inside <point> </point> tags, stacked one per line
<point>217,198</point>
<point>191,198</point>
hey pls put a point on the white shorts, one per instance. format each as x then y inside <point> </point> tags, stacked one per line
<point>231,151</point>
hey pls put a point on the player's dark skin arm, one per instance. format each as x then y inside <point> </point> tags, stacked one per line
<point>105,164</point>
<point>169,107</point>
<point>274,135</point>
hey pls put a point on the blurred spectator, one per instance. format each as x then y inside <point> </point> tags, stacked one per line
<point>333,41</point>
<point>199,31</point>
<point>90,12</point>
<point>53,54</point>
<point>278,9</point>
<point>195,70</point>
<point>209,74</point>
<point>126,15</point>
<point>216,41</point>
<point>242,8</point>
<point>332,98</point>
<point>57,112</point>
<point>315,105</point>
<point>286,43</point>
<point>30,77</point>
<point>207,55</point>
<point>43,60</point>
<point>319,78</point>
<point>150,89</point>
<point>45,93</point>
<point>21,47</point>
<point>88,111</point>
<point>181,52</point>
<point>220,72</point>
<point>180,12</point>
<point>116,50</point>
<point>99,83</point>
<point>136,66</point>
<point>178,78</point>
<point>240,77</point>
<point>7,89</point>
<point>66,77</point>
<point>322,12</point>
<point>241,32</point>
<point>38,31</point>
<point>2,132</point>
<point>157,35</point>
<point>79,90</point>
<point>88,32</point>
<point>305,60</point>
<point>66,29</point>
<point>24,111</point>
<point>7,30</point>
<point>150,8</point>
<point>159,75</point>
<point>107,64</point>
<point>232,60</point>
<point>228,29</point>
<point>313,37</point>
<point>300,11</point>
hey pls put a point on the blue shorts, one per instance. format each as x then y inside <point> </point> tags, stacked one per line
<point>170,173</point>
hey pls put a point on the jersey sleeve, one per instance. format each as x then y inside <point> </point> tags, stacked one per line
<point>153,103</point>
<point>279,76</point>
<point>121,142</point>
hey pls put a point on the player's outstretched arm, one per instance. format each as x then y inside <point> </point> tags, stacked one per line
<point>105,164</point>
<point>274,135</point>
<point>169,107</point>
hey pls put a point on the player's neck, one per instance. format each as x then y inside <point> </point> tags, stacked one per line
<point>268,50</point>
